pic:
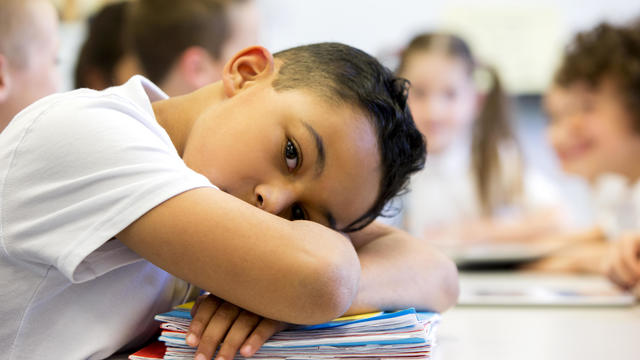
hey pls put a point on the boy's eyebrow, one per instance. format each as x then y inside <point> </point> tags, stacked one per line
<point>319,147</point>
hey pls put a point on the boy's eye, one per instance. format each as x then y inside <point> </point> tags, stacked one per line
<point>291,155</point>
<point>297,213</point>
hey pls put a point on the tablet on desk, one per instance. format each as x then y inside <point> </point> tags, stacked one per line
<point>500,254</point>
<point>538,293</point>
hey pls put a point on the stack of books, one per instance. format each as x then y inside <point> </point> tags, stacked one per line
<point>401,334</point>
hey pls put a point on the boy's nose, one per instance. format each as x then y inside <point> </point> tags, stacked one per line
<point>571,124</point>
<point>274,199</point>
<point>435,109</point>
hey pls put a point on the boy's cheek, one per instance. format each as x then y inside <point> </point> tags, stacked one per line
<point>555,136</point>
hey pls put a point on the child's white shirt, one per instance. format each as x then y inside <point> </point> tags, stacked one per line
<point>444,192</point>
<point>75,169</point>
<point>616,204</point>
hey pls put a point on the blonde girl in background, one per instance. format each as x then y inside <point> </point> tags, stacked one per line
<point>475,187</point>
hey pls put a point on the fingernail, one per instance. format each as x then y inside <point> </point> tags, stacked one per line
<point>246,350</point>
<point>192,340</point>
<point>200,356</point>
<point>220,358</point>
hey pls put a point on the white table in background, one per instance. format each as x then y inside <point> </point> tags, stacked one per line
<point>537,332</point>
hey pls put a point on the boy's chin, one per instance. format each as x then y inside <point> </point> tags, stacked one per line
<point>584,171</point>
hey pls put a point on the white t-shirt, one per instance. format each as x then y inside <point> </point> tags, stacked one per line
<point>75,169</point>
<point>444,192</point>
<point>616,204</point>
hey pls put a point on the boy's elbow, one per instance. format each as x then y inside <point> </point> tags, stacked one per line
<point>450,288</point>
<point>440,288</point>
<point>337,285</point>
<point>330,284</point>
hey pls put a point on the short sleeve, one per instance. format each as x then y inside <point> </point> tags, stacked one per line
<point>84,170</point>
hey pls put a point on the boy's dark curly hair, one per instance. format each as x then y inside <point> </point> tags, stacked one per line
<point>606,52</point>
<point>346,75</point>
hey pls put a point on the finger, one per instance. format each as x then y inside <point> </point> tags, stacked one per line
<point>620,273</point>
<point>199,300</point>
<point>608,263</point>
<point>239,332</point>
<point>612,267</point>
<point>265,329</point>
<point>630,247</point>
<point>216,330</point>
<point>627,260</point>
<point>206,309</point>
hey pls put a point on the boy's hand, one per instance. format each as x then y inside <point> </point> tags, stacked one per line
<point>623,266</point>
<point>216,322</point>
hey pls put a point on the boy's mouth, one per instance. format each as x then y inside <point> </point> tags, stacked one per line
<point>575,151</point>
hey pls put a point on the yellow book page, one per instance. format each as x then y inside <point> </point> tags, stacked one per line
<point>190,304</point>
<point>358,316</point>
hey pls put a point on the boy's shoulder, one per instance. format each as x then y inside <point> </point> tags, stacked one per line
<point>86,126</point>
<point>81,107</point>
<point>135,95</point>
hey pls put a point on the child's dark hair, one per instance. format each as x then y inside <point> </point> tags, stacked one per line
<point>606,52</point>
<point>492,127</point>
<point>346,75</point>
<point>160,30</point>
<point>104,46</point>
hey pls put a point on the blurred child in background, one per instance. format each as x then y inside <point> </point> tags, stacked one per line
<point>28,54</point>
<point>594,112</point>
<point>180,45</point>
<point>102,62</point>
<point>475,186</point>
<point>183,45</point>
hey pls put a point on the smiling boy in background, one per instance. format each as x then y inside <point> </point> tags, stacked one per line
<point>594,107</point>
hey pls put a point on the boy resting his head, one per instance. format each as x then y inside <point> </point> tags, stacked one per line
<point>261,189</point>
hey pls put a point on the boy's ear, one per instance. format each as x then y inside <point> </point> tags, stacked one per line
<point>247,67</point>
<point>5,78</point>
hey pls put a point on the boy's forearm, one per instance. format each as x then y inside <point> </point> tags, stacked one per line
<point>399,271</point>
<point>298,272</point>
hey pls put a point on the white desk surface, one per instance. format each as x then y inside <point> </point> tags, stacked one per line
<point>541,333</point>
